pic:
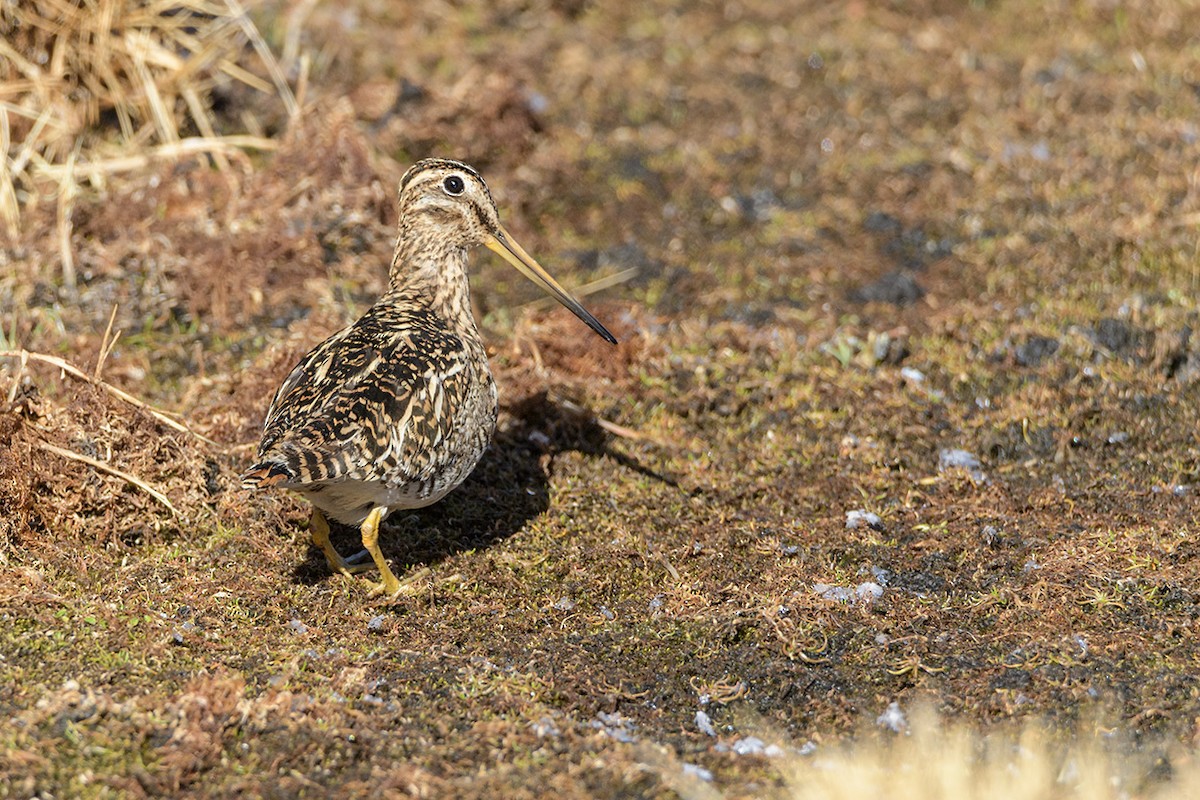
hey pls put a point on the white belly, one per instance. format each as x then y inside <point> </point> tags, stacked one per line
<point>349,502</point>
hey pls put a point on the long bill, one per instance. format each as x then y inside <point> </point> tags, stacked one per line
<point>507,248</point>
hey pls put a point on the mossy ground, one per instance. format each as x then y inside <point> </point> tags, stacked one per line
<point>864,235</point>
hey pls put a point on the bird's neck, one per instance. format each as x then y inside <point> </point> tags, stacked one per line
<point>435,277</point>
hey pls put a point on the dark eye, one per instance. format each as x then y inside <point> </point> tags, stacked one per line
<point>453,185</point>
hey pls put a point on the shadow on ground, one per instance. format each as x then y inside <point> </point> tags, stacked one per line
<point>508,488</point>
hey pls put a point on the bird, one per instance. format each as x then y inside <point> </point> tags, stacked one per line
<point>395,410</point>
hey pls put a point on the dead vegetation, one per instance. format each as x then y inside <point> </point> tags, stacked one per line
<point>73,69</point>
<point>119,452</point>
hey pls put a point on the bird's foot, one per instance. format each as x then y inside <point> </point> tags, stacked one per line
<point>391,587</point>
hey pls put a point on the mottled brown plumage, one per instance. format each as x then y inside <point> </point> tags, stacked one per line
<point>396,410</point>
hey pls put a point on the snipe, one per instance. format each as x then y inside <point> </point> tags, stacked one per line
<point>395,411</point>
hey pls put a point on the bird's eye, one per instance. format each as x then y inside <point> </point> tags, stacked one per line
<point>453,185</point>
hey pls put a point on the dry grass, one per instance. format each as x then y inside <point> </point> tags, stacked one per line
<point>933,759</point>
<point>92,87</point>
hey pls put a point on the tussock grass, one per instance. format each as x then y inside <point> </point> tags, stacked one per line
<point>91,87</point>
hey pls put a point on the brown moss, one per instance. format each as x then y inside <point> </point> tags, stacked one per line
<point>55,500</point>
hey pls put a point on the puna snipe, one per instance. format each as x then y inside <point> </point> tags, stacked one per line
<point>394,411</point>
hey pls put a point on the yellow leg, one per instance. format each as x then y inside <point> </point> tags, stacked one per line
<point>370,539</point>
<point>320,538</point>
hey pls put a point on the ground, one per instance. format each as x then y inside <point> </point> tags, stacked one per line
<point>934,262</point>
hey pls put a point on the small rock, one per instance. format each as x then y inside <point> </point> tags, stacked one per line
<point>912,375</point>
<point>564,604</point>
<point>754,207</point>
<point>376,624</point>
<point>953,458</point>
<point>893,719</point>
<point>699,772</point>
<point>880,344</point>
<point>858,518</point>
<point>868,592</point>
<point>616,726</point>
<point>828,591</point>
<point>1117,437</point>
<point>297,626</point>
<point>545,728</point>
<point>749,746</point>
<point>536,102</point>
<point>704,723</point>
<point>608,615</point>
<point>754,746</point>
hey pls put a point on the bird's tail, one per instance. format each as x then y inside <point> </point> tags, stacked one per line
<point>265,474</point>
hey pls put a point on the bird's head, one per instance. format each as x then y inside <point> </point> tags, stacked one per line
<point>447,202</point>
